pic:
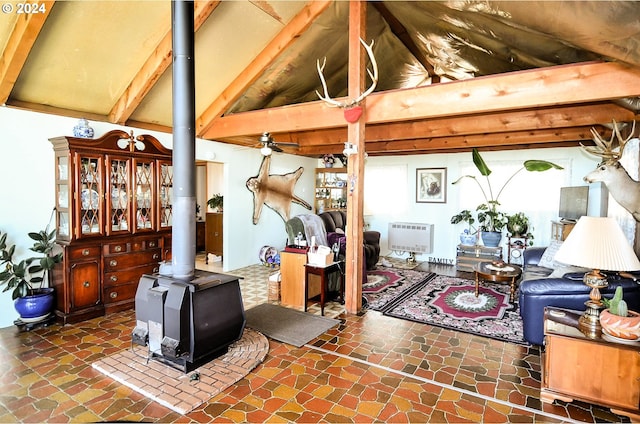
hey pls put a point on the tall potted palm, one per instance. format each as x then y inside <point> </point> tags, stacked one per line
<point>29,277</point>
<point>490,219</point>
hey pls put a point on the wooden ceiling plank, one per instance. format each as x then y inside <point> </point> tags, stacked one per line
<point>248,76</point>
<point>565,84</point>
<point>20,42</point>
<point>154,67</point>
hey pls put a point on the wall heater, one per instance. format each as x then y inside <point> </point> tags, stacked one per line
<point>410,237</point>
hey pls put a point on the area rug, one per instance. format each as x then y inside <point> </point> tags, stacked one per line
<point>450,302</point>
<point>379,280</point>
<point>287,325</point>
<point>173,388</point>
<point>386,285</point>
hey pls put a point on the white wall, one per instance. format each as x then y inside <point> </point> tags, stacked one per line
<point>27,187</point>
<point>515,197</point>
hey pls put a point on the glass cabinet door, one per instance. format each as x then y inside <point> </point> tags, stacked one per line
<point>118,195</point>
<point>89,204</point>
<point>166,194</point>
<point>63,200</point>
<point>143,195</point>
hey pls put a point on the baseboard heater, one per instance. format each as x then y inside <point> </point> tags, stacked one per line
<point>410,237</point>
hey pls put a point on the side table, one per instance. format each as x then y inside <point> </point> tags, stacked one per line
<point>488,272</point>
<point>324,273</point>
<point>596,369</point>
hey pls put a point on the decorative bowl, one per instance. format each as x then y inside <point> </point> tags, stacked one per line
<point>627,328</point>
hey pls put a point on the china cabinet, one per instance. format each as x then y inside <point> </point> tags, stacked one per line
<point>331,189</point>
<point>114,216</point>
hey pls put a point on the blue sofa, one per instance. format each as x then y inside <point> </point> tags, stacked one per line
<point>538,290</point>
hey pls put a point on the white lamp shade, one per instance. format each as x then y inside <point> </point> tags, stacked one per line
<point>598,243</point>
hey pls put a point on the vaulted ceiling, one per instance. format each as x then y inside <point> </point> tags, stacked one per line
<point>452,74</point>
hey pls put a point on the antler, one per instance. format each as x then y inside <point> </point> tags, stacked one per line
<point>372,74</point>
<point>604,148</point>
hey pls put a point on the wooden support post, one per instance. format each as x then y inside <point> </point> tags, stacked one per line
<point>355,164</point>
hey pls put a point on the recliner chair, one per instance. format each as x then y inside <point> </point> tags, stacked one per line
<point>338,219</point>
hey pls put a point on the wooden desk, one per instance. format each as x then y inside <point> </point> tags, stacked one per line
<point>323,272</point>
<point>596,369</point>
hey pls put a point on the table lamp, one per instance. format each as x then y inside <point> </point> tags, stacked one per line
<point>597,243</point>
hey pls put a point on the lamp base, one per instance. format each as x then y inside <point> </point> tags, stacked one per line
<point>589,322</point>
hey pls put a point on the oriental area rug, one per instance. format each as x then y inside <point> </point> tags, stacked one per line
<point>448,302</point>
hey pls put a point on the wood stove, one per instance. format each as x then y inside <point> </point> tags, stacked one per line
<point>186,322</point>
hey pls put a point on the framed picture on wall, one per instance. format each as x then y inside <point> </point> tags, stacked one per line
<point>431,185</point>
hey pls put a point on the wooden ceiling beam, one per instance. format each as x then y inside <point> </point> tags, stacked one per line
<point>531,89</point>
<point>496,122</point>
<point>250,74</point>
<point>21,40</point>
<point>156,65</point>
<point>506,140</point>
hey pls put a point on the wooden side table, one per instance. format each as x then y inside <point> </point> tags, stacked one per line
<point>324,273</point>
<point>509,274</point>
<point>596,369</point>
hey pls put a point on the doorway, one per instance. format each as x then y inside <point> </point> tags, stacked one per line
<point>209,229</point>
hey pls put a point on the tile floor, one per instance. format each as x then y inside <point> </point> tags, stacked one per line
<point>369,368</point>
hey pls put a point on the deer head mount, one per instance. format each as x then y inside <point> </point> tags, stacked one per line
<point>352,108</point>
<point>605,148</point>
<point>624,189</point>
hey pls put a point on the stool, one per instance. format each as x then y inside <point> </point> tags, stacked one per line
<point>323,272</point>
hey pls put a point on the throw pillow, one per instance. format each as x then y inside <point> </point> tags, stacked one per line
<point>550,252</point>
<point>560,271</point>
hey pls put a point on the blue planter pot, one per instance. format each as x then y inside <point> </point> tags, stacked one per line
<point>491,238</point>
<point>468,239</point>
<point>37,305</point>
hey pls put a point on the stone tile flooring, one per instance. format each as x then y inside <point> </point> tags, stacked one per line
<point>369,368</point>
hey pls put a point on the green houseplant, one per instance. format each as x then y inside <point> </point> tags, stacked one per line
<point>519,225</point>
<point>216,202</point>
<point>617,320</point>
<point>469,235</point>
<point>490,218</point>
<point>28,278</point>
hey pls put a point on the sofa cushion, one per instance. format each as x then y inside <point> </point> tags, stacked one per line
<point>547,260</point>
<point>533,272</point>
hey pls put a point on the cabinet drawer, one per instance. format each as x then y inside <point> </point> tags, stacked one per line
<point>120,293</point>
<point>84,252</point>
<point>115,248</point>
<point>129,276</point>
<point>145,244</point>
<point>122,262</point>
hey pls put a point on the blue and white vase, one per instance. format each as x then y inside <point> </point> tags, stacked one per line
<point>82,129</point>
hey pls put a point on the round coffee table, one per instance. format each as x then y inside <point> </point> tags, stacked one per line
<point>488,272</point>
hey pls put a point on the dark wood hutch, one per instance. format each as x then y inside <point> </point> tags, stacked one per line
<point>113,217</point>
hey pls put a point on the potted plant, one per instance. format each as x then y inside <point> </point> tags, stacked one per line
<point>617,320</point>
<point>328,160</point>
<point>489,217</point>
<point>469,235</point>
<point>28,278</point>
<point>519,225</point>
<point>216,202</point>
